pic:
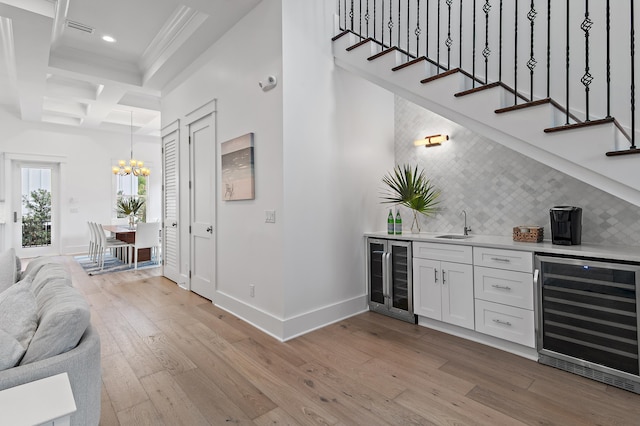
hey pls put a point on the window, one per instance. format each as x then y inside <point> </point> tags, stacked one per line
<point>128,187</point>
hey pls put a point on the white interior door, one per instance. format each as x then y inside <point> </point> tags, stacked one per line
<point>34,215</point>
<point>202,183</point>
<point>170,229</point>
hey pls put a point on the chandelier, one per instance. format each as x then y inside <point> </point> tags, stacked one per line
<point>132,167</point>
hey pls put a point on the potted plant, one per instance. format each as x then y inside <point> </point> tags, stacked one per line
<point>412,189</point>
<point>129,207</point>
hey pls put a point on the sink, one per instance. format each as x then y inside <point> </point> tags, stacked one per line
<point>454,237</point>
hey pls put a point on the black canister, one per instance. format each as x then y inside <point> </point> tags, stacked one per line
<point>566,225</point>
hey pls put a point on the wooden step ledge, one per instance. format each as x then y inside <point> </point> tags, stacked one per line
<point>408,64</point>
<point>624,152</point>
<point>524,106</point>
<point>360,43</point>
<point>334,38</point>
<point>476,89</point>
<point>441,75</point>
<point>384,52</point>
<point>580,125</point>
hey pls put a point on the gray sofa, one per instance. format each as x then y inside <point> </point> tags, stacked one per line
<point>63,339</point>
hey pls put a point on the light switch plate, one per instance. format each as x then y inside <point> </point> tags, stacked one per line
<point>270,216</point>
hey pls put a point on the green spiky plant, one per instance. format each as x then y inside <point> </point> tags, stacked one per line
<point>410,188</point>
<point>129,207</point>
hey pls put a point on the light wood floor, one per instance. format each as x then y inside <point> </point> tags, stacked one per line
<point>170,357</point>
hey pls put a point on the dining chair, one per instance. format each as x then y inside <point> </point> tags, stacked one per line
<point>93,241</point>
<point>108,244</point>
<point>147,236</point>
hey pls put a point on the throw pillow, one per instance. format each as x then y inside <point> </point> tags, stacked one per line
<point>7,269</point>
<point>18,322</point>
<point>63,317</point>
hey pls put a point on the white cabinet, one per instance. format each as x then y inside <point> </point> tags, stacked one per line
<point>504,293</point>
<point>443,290</point>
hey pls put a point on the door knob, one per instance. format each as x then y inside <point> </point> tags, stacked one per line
<point>174,224</point>
<point>210,229</point>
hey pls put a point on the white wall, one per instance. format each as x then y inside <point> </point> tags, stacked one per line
<point>86,185</point>
<point>338,143</point>
<point>249,251</point>
<point>323,140</point>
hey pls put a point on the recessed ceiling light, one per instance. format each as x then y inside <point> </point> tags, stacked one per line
<point>108,39</point>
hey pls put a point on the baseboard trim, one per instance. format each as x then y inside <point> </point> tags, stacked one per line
<point>290,328</point>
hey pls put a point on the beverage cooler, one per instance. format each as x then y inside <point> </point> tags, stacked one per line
<point>389,278</point>
<point>588,318</point>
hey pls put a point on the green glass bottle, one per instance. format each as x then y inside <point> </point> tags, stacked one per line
<point>390,223</point>
<point>398,224</point>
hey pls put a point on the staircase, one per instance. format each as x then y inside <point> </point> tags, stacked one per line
<point>597,151</point>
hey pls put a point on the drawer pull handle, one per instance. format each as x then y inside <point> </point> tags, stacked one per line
<point>500,259</point>
<point>501,287</point>
<point>497,321</point>
<point>435,274</point>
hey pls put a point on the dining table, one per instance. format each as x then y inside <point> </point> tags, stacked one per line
<point>128,235</point>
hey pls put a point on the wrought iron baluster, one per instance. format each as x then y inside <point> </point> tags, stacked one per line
<point>399,23</point>
<point>426,36</point>
<point>500,45</point>
<point>567,64</point>
<point>351,13</point>
<point>633,79</point>
<point>438,40</point>
<point>382,23</point>
<point>418,31</point>
<point>390,23</point>
<point>366,18</point>
<point>360,19</point>
<point>486,51</point>
<point>548,48</point>
<point>587,78</point>
<point>515,57</point>
<point>374,19</point>
<point>460,38</point>
<point>608,17</point>
<point>449,41</point>
<point>531,64</point>
<point>408,30</point>
<point>473,47</point>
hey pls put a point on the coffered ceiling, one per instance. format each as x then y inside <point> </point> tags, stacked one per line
<point>55,67</point>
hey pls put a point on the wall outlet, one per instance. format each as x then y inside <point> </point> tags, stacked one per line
<point>252,290</point>
<point>270,216</point>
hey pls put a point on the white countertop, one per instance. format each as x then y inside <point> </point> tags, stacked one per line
<point>631,254</point>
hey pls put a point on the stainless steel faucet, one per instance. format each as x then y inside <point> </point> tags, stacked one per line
<point>466,228</point>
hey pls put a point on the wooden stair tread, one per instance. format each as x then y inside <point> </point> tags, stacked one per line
<point>358,44</point>
<point>476,89</point>
<point>442,75</point>
<point>334,38</point>
<point>525,105</point>
<point>579,125</point>
<point>384,52</point>
<point>408,64</point>
<point>623,152</point>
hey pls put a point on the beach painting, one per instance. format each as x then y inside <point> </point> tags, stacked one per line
<point>237,168</point>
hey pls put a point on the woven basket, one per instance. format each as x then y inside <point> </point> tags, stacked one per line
<point>528,234</point>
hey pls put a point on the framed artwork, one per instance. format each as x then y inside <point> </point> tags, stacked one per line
<point>237,168</point>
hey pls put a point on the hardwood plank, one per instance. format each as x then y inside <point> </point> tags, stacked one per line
<point>170,401</point>
<point>210,400</point>
<point>122,385</point>
<point>143,414</point>
<point>366,369</point>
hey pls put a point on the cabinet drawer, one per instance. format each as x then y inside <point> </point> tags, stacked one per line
<point>443,252</point>
<point>501,286</point>
<point>504,259</point>
<point>505,322</point>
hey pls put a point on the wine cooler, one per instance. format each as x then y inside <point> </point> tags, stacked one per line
<point>389,278</point>
<point>588,318</point>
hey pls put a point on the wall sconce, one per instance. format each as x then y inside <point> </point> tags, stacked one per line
<point>433,140</point>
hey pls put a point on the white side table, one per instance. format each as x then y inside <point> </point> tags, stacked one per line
<point>48,401</point>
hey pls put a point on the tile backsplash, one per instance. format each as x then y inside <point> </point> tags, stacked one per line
<point>500,188</point>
